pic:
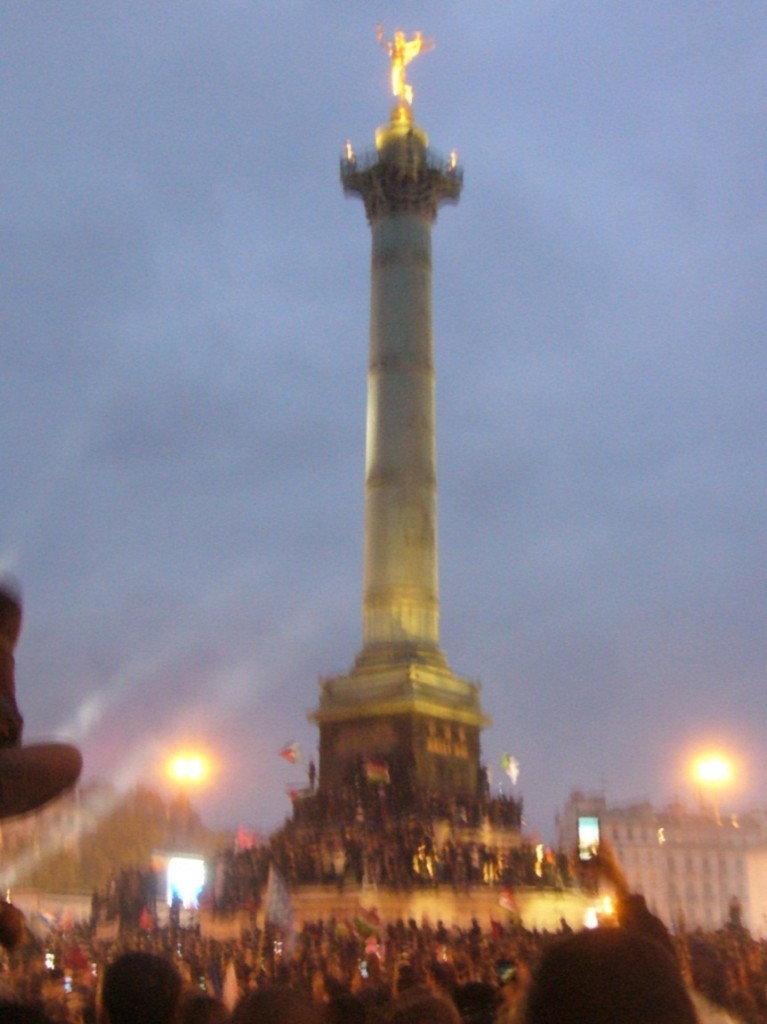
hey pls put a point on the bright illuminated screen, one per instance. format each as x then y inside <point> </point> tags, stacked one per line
<point>186,877</point>
<point>588,837</point>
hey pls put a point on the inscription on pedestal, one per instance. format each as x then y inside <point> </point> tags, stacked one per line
<point>448,741</point>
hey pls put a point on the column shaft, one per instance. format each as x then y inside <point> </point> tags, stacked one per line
<point>401,602</point>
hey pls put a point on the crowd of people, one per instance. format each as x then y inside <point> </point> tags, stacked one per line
<point>410,851</point>
<point>376,801</point>
<point>405,858</point>
<point>130,895</point>
<point>361,971</point>
<point>339,971</point>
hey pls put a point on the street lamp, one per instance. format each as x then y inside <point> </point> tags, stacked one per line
<point>712,771</point>
<point>188,769</point>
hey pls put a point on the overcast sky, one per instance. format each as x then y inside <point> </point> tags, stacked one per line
<point>184,297</point>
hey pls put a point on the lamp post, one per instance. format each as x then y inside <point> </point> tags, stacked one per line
<point>712,771</point>
<point>187,770</point>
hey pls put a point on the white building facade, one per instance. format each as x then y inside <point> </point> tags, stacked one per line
<point>696,869</point>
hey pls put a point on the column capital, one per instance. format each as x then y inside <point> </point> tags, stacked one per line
<point>401,175</point>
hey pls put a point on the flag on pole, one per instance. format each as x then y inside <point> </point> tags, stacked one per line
<point>278,908</point>
<point>509,903</point>
<point>511,766</point>
<point>291,752</point>
<point>246,838</point>
<point>367,922</point>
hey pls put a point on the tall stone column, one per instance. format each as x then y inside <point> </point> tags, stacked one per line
<point>402,185</point>
<point>400,709</point>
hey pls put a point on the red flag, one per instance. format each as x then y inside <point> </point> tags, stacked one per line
<point>367,922</point>
<point>75,959</point>
<point>246,838</point>
<point>291,752</point>
<point>508,901</point>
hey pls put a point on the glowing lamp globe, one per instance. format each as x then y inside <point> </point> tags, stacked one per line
<point>713,770</point>
<point>188,768</point>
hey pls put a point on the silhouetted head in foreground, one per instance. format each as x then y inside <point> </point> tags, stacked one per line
<point>201,1008</point>
<point>420,1006</point>
<point>606,976</point>
<point>15,1013</point>
<point>140,987</point>
<point>275,1005</point>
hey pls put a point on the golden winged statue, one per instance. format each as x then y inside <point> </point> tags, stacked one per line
<point>401,51</point>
